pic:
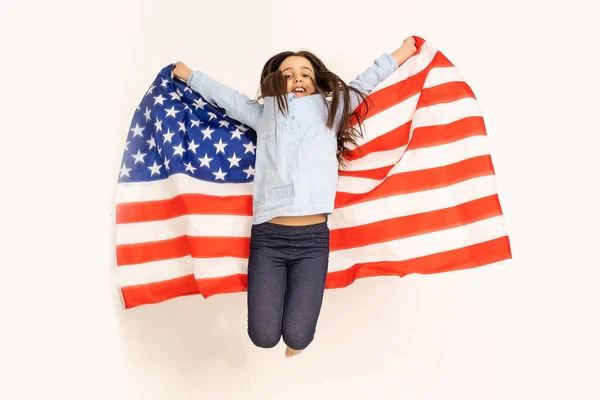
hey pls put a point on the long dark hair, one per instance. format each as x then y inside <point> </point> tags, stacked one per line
<point>327,84</point>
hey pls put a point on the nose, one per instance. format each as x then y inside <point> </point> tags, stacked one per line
<point>297,79</point>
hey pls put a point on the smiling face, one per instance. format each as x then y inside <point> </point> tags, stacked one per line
<point>299,76</point>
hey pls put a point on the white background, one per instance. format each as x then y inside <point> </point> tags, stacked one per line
<point>73,73</point>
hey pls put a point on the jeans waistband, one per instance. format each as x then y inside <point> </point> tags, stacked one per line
<point>292,230</point>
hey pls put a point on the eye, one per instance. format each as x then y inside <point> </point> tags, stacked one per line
<point>306,75</point>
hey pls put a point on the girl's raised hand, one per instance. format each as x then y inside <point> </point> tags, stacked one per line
<point>181,71</point>
<point>406,50</point>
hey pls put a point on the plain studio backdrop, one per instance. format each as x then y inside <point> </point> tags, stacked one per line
<point>73,74</point>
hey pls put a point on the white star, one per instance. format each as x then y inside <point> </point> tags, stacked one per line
<point>155,169</point>
<point>139,157</point>
<point>164,82</point>
<point>182,126</point>
<point>187,89</point>
<point>237,134</point>
<point>223,123</point>
<point>220,175</point>
<point>137,130</point>
<point>159,99</point>
<point>125,171</point>
<point>127,144</point>
<point>220,146</point>
<point>175,96</point>
<point>178,149</point>
<point>212,115</point>
<point>167,164</point>
<point>242,127</point>
<point>158,125</point>
<point>159,150</point>
<point>192,146</point>
<point>249,148</point>
<point>249,171</point>
<point>189,167</point>
<point>234,161</point>
<point>207,132</point>
<point>147,114</point>
<point>150,89</point>
<point>171,112</point>
<point>168,136</point>
<point>205,161</point>
<point>151,142</point>
<point>198,103</point>
<point>195,123</point>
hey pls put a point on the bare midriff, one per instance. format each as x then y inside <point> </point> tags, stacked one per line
<point>299,220</point>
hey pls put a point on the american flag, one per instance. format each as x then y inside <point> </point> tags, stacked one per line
<point>417,196</point>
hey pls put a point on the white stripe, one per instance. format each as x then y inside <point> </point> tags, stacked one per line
<point>445,113</point>
<point>175,185</point>
<point>376,159</point>
<point>396,250</point>
<point>419,246</point>
<point>440,75</point>
<point>151,272</point>
<point>158,271</point>
<point>353,215</point>
<point>418,159</point>
<point>190,225</point>
<point>412,203</point>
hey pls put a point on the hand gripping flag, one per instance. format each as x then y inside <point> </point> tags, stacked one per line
<point>418,195</point>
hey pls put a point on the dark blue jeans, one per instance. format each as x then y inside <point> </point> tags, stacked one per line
<point>287,268</point>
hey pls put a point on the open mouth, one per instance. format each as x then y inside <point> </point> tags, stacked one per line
<point>299,90</point>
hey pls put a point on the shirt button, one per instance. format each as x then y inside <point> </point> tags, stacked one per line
<point>293,117</point>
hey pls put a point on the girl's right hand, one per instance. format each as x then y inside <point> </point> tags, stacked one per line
<point>182,71</point>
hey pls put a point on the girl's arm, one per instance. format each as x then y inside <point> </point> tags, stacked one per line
<point>237,105</point>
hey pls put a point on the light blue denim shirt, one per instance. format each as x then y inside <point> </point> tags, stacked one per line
<point>296,165</point>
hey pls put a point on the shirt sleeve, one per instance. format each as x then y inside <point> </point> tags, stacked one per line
<point>382,67</point>
<point>237,105</point>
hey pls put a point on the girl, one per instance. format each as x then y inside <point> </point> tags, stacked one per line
<point>304,127</point>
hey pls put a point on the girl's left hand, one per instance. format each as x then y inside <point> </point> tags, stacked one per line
<point>406,50</point>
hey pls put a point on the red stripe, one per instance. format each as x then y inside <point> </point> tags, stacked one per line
<point>415,224</point>
<point>342,238</point>
<point>194,246</point>
<point>184,204</point>
<point>398,137</point>
<point>437,135</point>
<point>464,258</point>
<point>444,93</point>
<point>429,136</point>
<point>158,292</point>
<point>391,140</point>
<point>426,179</point>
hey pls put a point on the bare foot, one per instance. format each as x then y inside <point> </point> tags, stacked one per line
<point>289,352</point>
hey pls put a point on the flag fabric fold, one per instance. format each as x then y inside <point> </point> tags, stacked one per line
<point>418,194</point>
